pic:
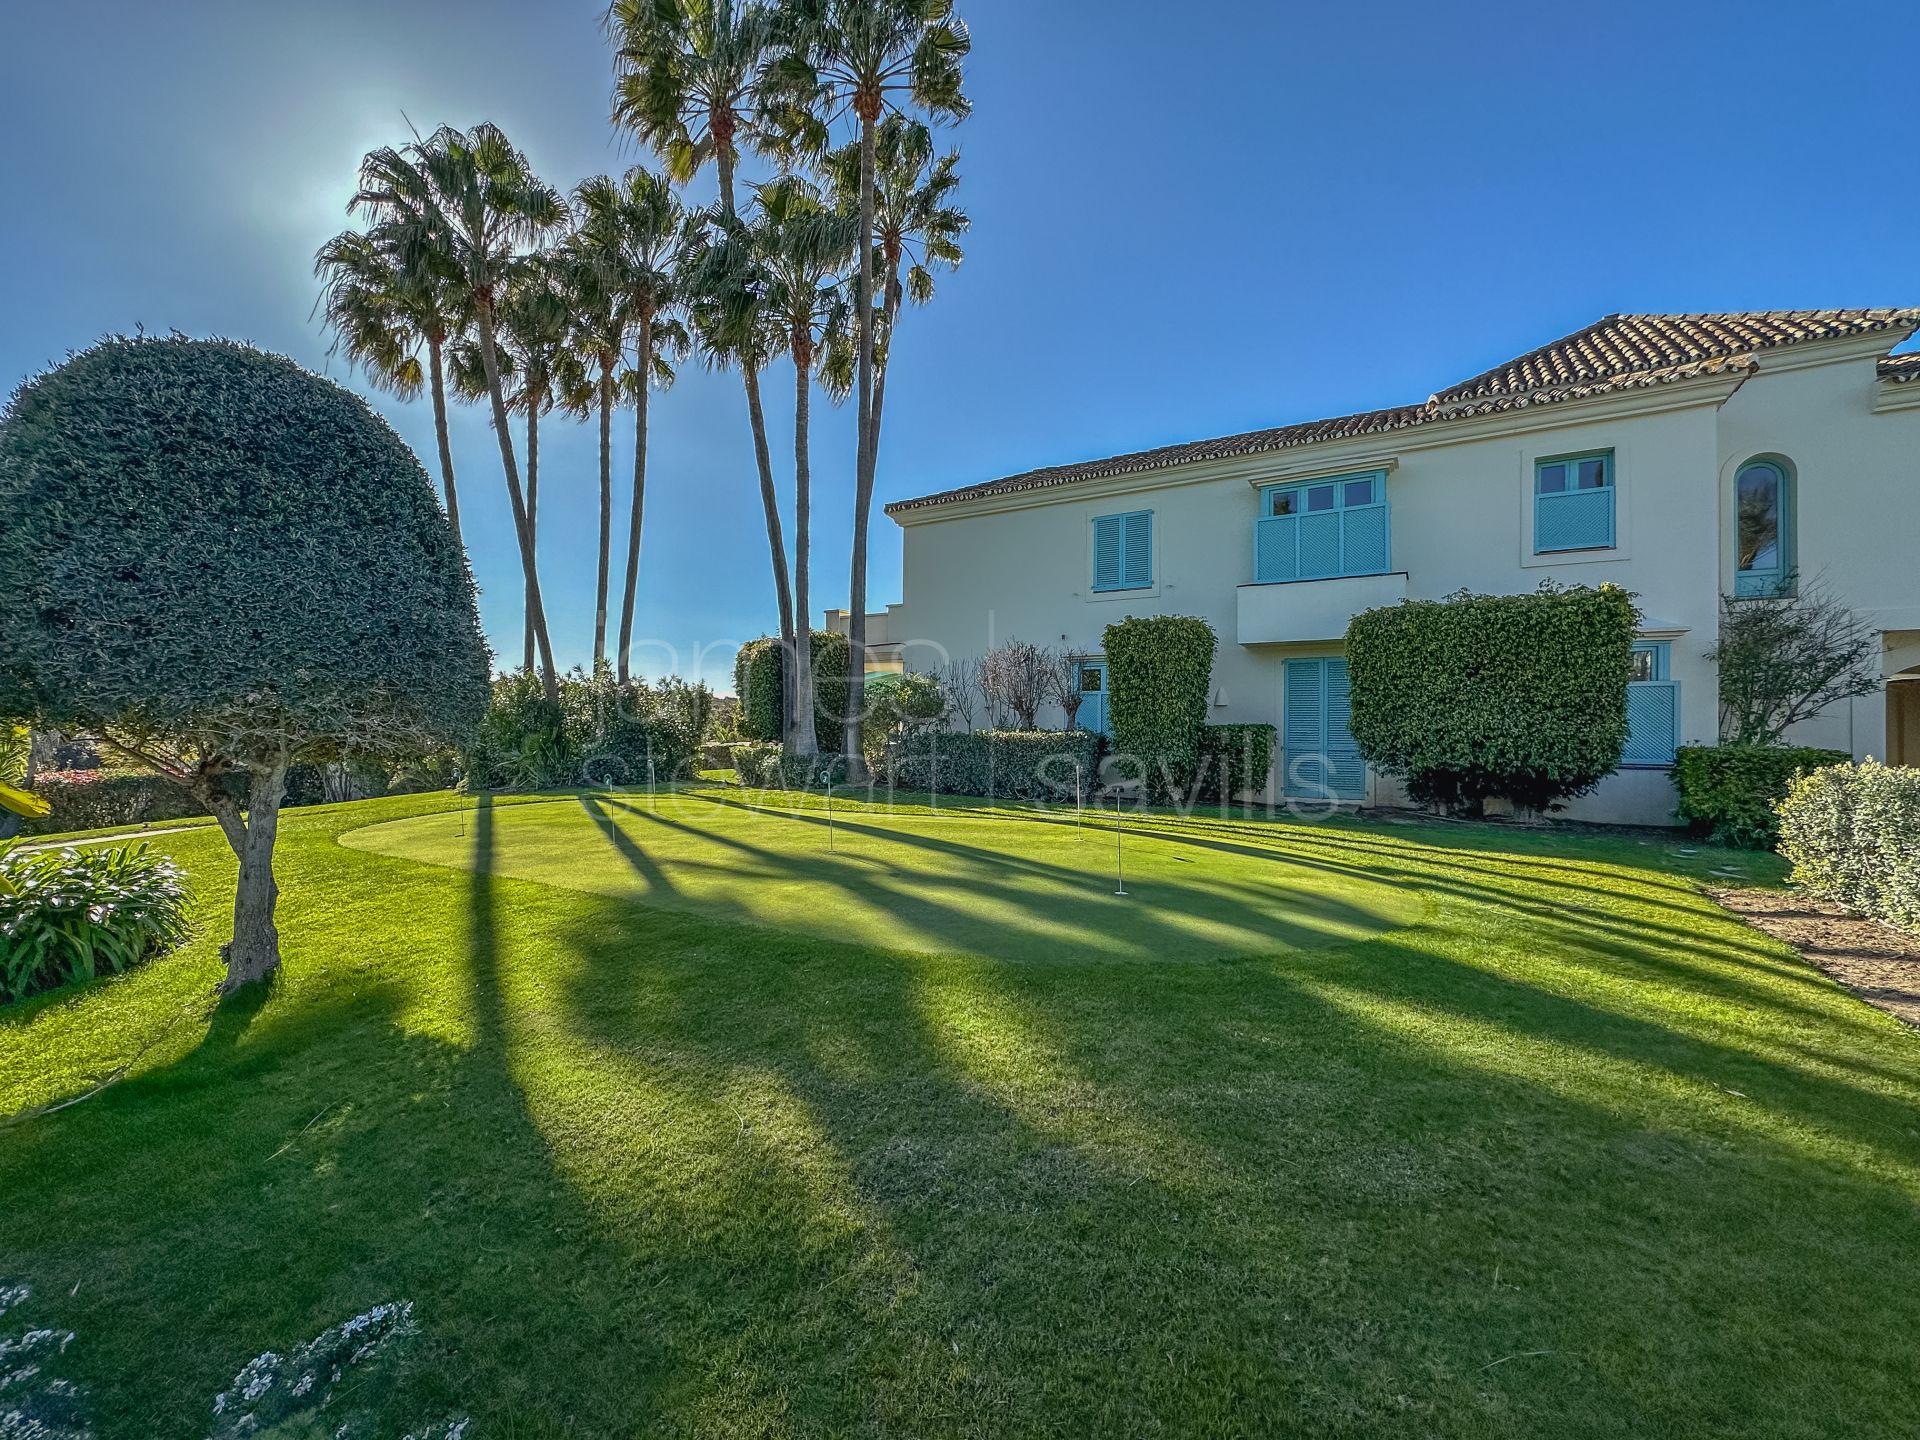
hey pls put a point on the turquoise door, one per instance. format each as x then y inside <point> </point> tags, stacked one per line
<point>1319,759</point>
<point>1093,697</point>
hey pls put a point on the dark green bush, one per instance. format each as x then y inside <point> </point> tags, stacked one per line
<point>1728,792</point>
<point>1159,672</point>
<point>1008,764</point>
<point>602,732</point>
<point>761,687</point>
<point>1234,759</point>
<point>103,802</point>
<point>69,915</point>
<point>1522,696</point>
<point>759,765</point>
<point>1852,833</point>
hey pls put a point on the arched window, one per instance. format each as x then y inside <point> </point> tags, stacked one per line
<point>1763,528</point>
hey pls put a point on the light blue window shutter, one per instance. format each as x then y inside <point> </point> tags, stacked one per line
<point>1363,541</point>
<point>1106,552</point>
<point>1275,548</point>
<point>1136,561</point>
<point>1653,722</point>
<point>1320,545</point>
<point>1347,776</point>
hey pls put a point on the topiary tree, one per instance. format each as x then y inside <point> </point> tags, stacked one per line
<point>1159,670</point>
<point>219,563</point>
<point>1522,696</point>
<point>759,681</point>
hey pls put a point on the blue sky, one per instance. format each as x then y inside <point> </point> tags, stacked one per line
<point>1188,221</point>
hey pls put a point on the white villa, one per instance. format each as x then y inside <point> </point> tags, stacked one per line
<point>1678,456</point>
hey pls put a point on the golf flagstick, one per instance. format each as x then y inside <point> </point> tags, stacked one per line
<point>1119,864</point>
<point>830,848</point>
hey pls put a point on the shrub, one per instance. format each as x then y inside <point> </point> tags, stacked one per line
<point>603,732</point>
<point>522,743</point>
<point>1234,759</point>
<point>1728,792</point>
<point>897,704</point>
<point>1785,658</point>
<point>1852,833</point>
<point>1014,764</point>
<point>69,915</point>
<point>760,765</point>
<point>1017,679</point>
<point>90,800</point>
<point>1522,696</point>
<point>1159,670</point>
<point>761,686</point>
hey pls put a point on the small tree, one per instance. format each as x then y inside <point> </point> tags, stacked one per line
<point>1015,677</point>
<point>1784,659</point>
<point>221,564</point>
<point>1063,685</point>
<point>1521,696</point>
<point>1160,671</point>
<point>960,683</point>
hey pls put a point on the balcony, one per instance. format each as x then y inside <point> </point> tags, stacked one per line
<point>1308,610</point>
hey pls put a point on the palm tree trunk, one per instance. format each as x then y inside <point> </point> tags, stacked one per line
<point>801,709</point>
<point>533,513</point>
<point>523,530</point>
<point>439,378</point>
<point>879,365</point>
<point>606,513</point>
<point>639,501</point>
<point>769,497</point>
<point>863,466</point>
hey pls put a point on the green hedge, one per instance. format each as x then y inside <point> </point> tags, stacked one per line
<point>758,681</point>
<point>1521,696</point>
<point>1241,756</point>
<point>1011,764</point>
<point>759,765</point>
<point>113,801</point>
<point>1852,833</point>
<point>1159,670</point>
<point>1728,792</point>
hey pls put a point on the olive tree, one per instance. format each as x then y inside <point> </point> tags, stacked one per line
<point>221,564</point>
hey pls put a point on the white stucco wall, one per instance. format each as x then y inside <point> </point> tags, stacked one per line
<point>983,571</point>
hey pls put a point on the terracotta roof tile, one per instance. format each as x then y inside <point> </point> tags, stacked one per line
<point>1619,352</point>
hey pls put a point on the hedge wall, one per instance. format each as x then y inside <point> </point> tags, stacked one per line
<point>1011,764</point>
<point>1522,696</point>
<point>1234,759</point>
<point>759,765</point>
<point>97,802</point>
<point>1728,792</point>
<point>1159,670</point>
<point>1852,833</point>
<point>758,681</point>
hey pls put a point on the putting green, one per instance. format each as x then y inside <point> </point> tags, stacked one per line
<point>994,885</point>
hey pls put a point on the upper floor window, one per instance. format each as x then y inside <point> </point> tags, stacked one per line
<point>1322,528</point>
<point>1123,551</point>
<point>1573,503</point>
<point>1763,528</point>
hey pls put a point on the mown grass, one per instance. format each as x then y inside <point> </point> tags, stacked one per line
<point>1574,1153</point>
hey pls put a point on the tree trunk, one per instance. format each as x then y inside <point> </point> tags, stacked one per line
<point>254,952</point>
<point>632,585</point>
<point>606,513</point>
<point>533,516</point>
<point>446,443</point>
<point>863,466</point>
<point>490,362</point>
<point>769,497</point>
<point>800,696</point>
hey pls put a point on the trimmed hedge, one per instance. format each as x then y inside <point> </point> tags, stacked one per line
<point>758,681</point>
<point>1241,756</point>
<point>1728,792</point>
<point>111,801</point>
<point>759,765</point>
<point>1521,696</point>
<point>1014,764</point>
<point>1159,670</point>
<point>1852,833</point>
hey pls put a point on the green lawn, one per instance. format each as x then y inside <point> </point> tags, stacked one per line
<point>670,1119</point>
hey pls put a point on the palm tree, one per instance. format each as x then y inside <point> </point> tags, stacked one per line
<point>915,225</point>
<point>690,82</point>
<point>860,57</point>
<point>382,312</point>
<point>539,366</point>
<point>467,207</point>
<point>803,249</point>
<point>633,237</point>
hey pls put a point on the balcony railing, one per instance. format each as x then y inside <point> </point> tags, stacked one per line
<point>1320,546</point>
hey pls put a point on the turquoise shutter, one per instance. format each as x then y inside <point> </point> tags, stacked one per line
<point>1348,775</point>
<point>1304,729</point>
<point>1320,545</point>
<point>1136,561</point>
<point>1363,540</point>
<point>1275,548</point>
<point>1653,722</point>
<point>1106,552</point>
